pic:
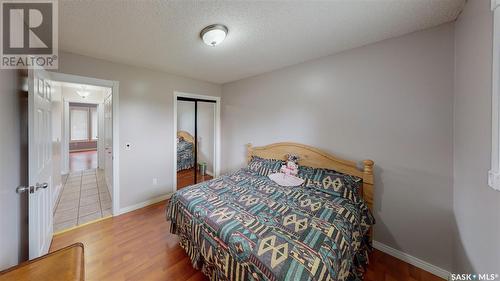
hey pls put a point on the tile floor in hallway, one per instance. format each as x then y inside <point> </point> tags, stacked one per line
<point>83,160</point>
<point>84,198</point>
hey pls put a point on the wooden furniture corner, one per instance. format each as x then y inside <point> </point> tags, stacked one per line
<point>66,264</point>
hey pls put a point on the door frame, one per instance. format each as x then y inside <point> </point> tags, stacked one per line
<point>217,133</point>
<point>66,133</point>
<point>114,85</point>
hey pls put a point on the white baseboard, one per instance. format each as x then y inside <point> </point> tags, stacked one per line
<point>412,260</point>
<point>143,204</point>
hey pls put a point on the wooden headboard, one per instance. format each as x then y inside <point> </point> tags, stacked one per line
<point>186,136</point>
<point>316,158</point>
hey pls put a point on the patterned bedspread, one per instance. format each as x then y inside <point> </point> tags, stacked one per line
<point>243,226</point>
<point>185,155</point>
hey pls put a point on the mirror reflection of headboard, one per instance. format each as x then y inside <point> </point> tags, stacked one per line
<point>186,136</point>
<point>316,158</point>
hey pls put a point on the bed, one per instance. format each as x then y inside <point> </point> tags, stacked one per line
<point>185,151</point>
<point>243,226</point>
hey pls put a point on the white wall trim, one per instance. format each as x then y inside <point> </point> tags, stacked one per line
<point>65,138</point>
<point>494,4</point>
<point>55,196</point>
<point>494,172</point>
<point>412,260</point>
<point>217,133</point>
<point>114,85</point>
<point>100,133</point>
<point>116,147</point>
<point>144,204</point>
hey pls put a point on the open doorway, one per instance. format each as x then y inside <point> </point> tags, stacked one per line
<point>196,145</point>
<point>50,180</point>
<point>82,125</point>
<point>83,135</point>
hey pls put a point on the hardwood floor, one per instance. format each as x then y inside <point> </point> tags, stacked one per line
<point>82,161</point>
<point>186,178</point>
<point>384,267</point>
<point>133,246</point>
<point>139,246</point>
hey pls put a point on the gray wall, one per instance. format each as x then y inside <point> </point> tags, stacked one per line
<point>476,206</point>
<point>146,121</point>
<point>13,220</point>
<point>391,102</point>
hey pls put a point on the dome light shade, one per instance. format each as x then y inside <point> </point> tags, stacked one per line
<point>214,34</point>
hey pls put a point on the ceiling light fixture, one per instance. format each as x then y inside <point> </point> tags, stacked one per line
<point>213,34</point>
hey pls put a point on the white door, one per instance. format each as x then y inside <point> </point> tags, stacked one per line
<point>108,141</point>
<point>40,162</point>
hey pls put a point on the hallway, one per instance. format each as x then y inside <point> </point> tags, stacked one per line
<point>82,161</point>
<point>84,198</point>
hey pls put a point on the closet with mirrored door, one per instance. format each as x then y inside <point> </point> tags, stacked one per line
<point>195,140</point>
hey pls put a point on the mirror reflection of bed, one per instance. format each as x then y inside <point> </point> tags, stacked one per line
<point>195,120</point>
<point>185,162</point>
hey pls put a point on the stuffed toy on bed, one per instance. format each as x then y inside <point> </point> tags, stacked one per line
<point>289,171</point>
<point>291,168</point>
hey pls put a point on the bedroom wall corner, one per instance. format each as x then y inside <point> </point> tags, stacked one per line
<point>476,206</point>
<point>392,102</point>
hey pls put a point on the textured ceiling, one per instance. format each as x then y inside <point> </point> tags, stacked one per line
<point>263,35</point>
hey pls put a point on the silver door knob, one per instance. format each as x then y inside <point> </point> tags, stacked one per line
<point>21,189</point>
<point>41,185</point>
<point>31,189</point>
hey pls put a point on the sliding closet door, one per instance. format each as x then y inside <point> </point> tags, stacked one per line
<point>205,123</point>
<point>186,121</point>
<point>195,141</point>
